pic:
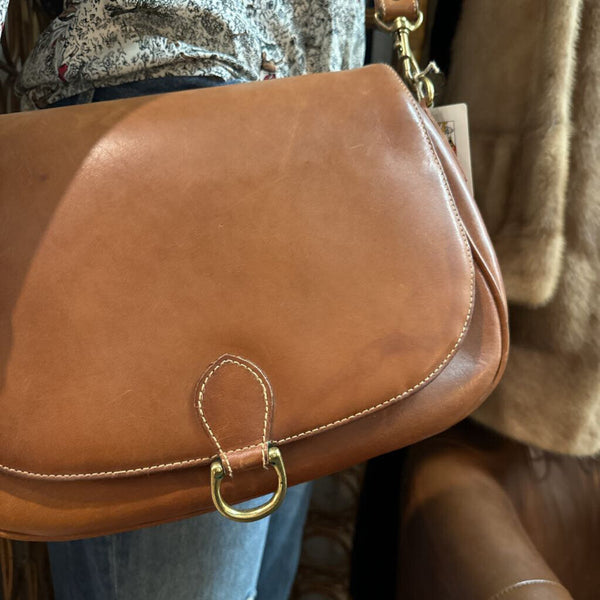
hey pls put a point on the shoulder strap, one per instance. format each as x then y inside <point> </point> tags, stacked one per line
<point>389,10</point>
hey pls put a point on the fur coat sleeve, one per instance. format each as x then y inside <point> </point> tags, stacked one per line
<point>530,72</point>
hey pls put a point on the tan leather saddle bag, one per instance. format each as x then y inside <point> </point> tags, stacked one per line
<point>250,285</point>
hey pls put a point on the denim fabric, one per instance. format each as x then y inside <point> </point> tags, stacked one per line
<point>145,87</point>
<point>202,558</point>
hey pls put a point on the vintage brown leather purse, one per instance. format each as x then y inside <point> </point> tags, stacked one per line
<point>256,284</point>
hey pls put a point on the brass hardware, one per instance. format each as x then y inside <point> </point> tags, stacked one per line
<point>217,474</point>
<point>419,81</point>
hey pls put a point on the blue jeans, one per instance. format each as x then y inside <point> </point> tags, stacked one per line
<point>145,87</point>
<point>202,558</point>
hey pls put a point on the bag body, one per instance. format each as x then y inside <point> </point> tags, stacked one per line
<point>204,277</point>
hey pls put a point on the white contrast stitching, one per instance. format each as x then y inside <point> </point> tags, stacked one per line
<point>97,474</point>
<point>208,427</point>
<point>265,448</point>
<point>260,377</point>
<point>190,462</point>
<point>469,256</point>
<point>222,453</point>
<point>199,461</point>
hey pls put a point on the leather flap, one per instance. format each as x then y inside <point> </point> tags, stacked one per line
<point>304,225</point>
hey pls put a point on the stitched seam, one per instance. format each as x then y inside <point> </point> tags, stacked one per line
<point>415,8</point>
<point>208,427</point>
<point>98,474</point>
<point>265,424</point>
<point>466,248</point>
<point>520,584</point>
<point>190,462</point>
<point>264,438</point>
<point>210,431</point>
<point>469,256</point>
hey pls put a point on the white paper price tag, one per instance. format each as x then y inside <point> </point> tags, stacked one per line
<point>454,122</point>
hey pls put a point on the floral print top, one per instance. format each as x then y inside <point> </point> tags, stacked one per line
<point>99,43</point>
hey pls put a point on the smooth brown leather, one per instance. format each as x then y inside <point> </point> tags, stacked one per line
<point>389,10</point>
<point>311,237</point>
<point>488,518</point>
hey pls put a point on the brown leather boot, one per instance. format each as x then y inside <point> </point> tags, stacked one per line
<point>487,518</point>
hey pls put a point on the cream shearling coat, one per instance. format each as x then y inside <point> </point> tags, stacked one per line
<point>530,72</point>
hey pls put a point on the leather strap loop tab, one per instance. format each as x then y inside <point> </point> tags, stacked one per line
<point>234,400</point>
<point>389,10</point>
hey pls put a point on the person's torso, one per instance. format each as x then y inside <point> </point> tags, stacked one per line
<point>98,43</point>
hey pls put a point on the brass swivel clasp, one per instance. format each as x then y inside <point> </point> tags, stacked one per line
<point>417,79</point>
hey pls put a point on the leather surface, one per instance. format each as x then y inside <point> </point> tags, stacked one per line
<point>234,386</point>
<point>481,246</point>
<point>392,9</point>
<point>325,252</point>
<point>494,518</point>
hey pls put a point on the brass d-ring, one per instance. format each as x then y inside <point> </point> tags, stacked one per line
<point>253,514</point>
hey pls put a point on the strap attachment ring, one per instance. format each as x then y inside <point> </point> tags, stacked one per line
<point>217,474</point>
<point>419,81</point>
